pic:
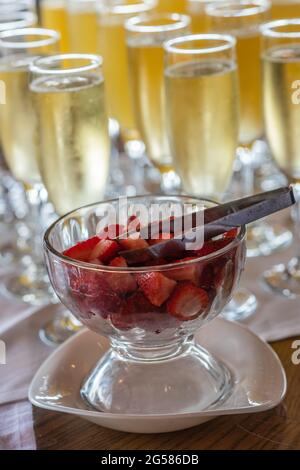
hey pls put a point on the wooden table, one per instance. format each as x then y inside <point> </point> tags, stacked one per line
<point>275,429</point>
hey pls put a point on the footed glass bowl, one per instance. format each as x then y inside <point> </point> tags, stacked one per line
<point>153,365</point>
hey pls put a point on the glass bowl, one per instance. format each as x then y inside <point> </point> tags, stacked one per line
<point>153,364</point>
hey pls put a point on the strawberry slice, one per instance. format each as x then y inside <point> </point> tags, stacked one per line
<point>122,283</point>
<point>133,244</point>
<point>231,233</point>
<point>92,293</point>
<point>138,303</point>
<point>119,262</point>
<point>112,231</point>
<point>224,276</point>
<point>95,261</point>
<point>206,280</point>
<point>105,250</point>
<point>156,287</point>
<point>161,237</point>
<point>82,251</point>
<point>213,245</point>
<point>133,224</point>
<point>156,262</point>
<point>186,273</point>
<point>187,301</point>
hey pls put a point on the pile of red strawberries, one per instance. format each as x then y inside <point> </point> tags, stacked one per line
<point>123,295</point>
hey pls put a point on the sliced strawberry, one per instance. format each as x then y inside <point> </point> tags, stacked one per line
<point>186,273</point>
<point>121,321</point>
<point>105,250</point>
<point>138,303</point>
<point>156,262</point>
<point>82,251</point>
<point>212,246</point>
<point>133,224</point>
<point>122,283</point>
<point>187,301</point>
<point>133,244</point>
<point>224,276</point>
<point>118,262</point>
<point>156,287</point>
<point>231,233</point>
<point>137,311</point>
<point>95,261</point>
<point>112,231</point>
<point>105,303</point>
<point>161,237</point>
<point>92,293</point>
<point>206,280</point>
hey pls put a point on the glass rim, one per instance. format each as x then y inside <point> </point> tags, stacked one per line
<point>50,37</point>
<point>180,21</point>
<point>80,6</point>
<point>94,60</point>
<point>229,43</point>
<point>268,31</point>
<point>17,19</point>
<point>133,8</point>
<point>14,7</point>
<point>165,267</point>
<point>252,8</point>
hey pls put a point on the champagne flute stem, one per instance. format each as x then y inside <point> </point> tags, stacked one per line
<point>34,195</point>
<point>245,156</point>
<point>297,222</point>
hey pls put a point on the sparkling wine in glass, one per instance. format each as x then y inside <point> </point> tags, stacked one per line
<point>285,9</point>
<point>69,99</point>
<point>171,6</point>
<point>54,16</point>
<point>203,121</point>
<point>196,10</point>
<point>112,42</point>
<point>12,16</point>
<point>19,140</point>
<point>201,77</point>
<point>281,104</point>
<point>82,24</point>
<point>145,37</point>
<point>242,20</point>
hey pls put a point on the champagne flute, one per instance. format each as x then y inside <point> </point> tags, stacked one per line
<point>171,6</point>
<point>196,10</point>
<point>82,23</point>
<point>202,110</point>
<point>203,121</point>
<point>281,74</point>
<point>243,19</point>
<point>112,16</point>
<point>19,5</point>
<point>18,134</point>
<point>54,16</point>
<point>145,37</point>
<point>69,100</point>
<point>12,16</point>
<point>285,9</point>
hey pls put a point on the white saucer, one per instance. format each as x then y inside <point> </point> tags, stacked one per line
<point>259,379</point>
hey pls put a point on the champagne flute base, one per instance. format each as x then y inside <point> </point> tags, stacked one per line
<point>242,305</point>
<point>263,239</point>
<point>284,279</point>
<point>31,286</point>
<point>62,327</point>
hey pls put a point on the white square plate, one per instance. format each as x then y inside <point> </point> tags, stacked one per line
<point>259,379</point>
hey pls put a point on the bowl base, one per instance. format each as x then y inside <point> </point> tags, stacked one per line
<point>192,380</point>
